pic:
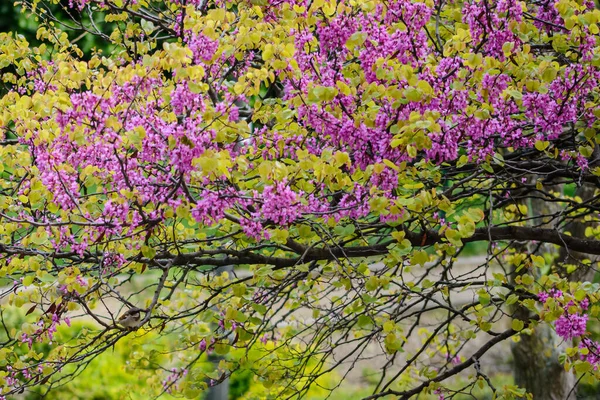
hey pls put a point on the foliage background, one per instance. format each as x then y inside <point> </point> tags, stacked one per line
<point>254,170</point>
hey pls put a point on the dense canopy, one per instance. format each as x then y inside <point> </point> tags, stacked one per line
<point>341,155</point>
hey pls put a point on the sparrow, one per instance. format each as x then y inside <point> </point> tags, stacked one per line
<point>130,318</point>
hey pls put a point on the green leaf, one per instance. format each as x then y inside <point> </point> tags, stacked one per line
<point>148,252</point>
<point>413,94</point>
<point>580,294</point>
<point>239,289</point>
<point>419,257</point>
<point>357,39</point>
<point>364,321</point>
<point>487,167</point>
<point>512,299</point>
<point>527,279</point>
<point>517,325</point>
<point>222,349</point>
<point>515,94</point>
<point>484,297</point>
<point>191,393</point>
<point>372,283</point>
<point>453,237</point>
<point>542,145</point>
<point>582,367</point>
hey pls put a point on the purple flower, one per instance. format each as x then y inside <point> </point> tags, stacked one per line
<point>584,304</point>
<point>593,351</point>
<point>264,339</point>
<point>571,326</point>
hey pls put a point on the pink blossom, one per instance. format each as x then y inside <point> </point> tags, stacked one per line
<point>571,326</point>
<point>543,296</point>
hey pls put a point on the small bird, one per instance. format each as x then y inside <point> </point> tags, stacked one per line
<point>130,318</point>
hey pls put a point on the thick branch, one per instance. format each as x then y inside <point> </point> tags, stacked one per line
<point>306,254</point>
<point>428,238</point>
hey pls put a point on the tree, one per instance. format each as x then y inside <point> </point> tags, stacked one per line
<point>341,155</point>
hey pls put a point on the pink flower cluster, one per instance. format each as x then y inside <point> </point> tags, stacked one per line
<point>141,137</point>
<point>591,353</point>
<point>170,382</point>
<point>281,204</point>
<point>549,20</point>
<point>203,48</point>
<point>334,33</point>
<point>490,21</point>
<point>552,293</point>
<point>571,324</point>
<point>15,375</point>
<point>45,330</point>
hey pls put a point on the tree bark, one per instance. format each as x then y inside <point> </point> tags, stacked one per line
<point>537,368</point>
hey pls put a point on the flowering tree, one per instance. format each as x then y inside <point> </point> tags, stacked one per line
<point>339,154</point>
